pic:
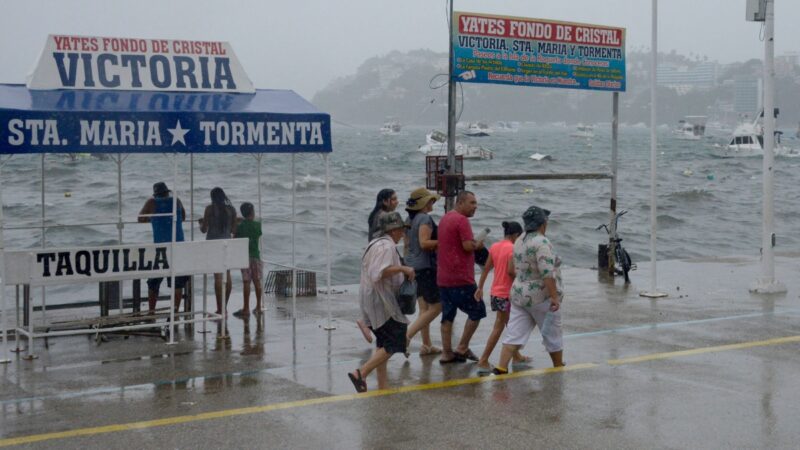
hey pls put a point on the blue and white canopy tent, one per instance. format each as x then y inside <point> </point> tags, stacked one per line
<point>123,122</point>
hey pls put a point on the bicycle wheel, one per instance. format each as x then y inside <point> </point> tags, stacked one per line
<point>625,262</point>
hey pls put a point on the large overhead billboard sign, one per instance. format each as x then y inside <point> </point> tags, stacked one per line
<point>133,64</point>
<point>537,52</point>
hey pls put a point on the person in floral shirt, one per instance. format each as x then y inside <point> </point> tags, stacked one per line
<point>536,292</point>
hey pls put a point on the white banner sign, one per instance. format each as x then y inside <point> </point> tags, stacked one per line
<point>90,62</point>
<point>123,262</point>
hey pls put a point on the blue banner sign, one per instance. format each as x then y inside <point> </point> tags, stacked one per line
<point>536,52</point>
<point>158,122</point>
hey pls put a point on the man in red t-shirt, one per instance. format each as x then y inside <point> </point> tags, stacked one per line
<point>455,277</point>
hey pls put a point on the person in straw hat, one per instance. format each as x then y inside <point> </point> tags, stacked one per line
<point>421,247</point>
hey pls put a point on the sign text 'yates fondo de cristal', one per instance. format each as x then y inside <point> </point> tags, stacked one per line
<point>536,52</point>
<point>90,62</point>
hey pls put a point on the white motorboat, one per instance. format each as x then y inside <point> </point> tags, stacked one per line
<point>748,140</point>
<point>391,128</point>
<point>691,128</point>
<point>436,145</point>
<point>583,131</point>
<point>478,129</point>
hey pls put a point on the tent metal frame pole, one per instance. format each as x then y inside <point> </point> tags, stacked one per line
<point>294,255</point>
<point>44,244</point>
<point>172,249</point>
<point>119,159</point>
<point>653,292</point>
<point>4,359</point>
<point>326,157</point>
<point>259,157</point>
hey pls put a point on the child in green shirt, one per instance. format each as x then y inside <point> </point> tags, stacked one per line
<point>251,229</point>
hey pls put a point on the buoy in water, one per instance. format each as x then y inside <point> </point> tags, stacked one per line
<point>710,177</point>
<point>527,190</point>
<point>688,173</point>
<point>67,194</point>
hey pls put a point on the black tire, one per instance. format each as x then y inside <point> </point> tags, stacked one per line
<point>624,262</point>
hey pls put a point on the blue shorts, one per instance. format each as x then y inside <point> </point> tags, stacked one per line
<point>463,298</point>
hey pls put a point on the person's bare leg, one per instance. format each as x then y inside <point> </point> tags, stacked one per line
<point>228,288</point>
<point>491,341</point>
<point>152,298</point>
<point>177,299</point>
<point>423,321</point>
<point>257,287</point>
<point>469,329</point>
<point>558,358</point>
<point>246,297</point>
<point>505,356</point>
<point>379,356</point>
<point>425,331</point>
<point>447,344</point>
<point>218,291</point>
<point>383,376</point>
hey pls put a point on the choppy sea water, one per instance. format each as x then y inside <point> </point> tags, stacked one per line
<point>714,211</point>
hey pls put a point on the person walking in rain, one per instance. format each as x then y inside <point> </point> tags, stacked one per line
<point>536,293</point>
<point>456,278</point>
<point>381,276</point>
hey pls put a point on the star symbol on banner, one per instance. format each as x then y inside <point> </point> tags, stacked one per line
<point>178,134</point>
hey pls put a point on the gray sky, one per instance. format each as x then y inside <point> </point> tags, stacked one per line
<point>304,44</point>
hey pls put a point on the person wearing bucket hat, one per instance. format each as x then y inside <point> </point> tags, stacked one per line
<point>382,273</point>
<point>421,246</point>
<point>161,203</point>
<point>536,293</point>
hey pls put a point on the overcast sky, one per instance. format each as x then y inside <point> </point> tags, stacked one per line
<point>304,44</point>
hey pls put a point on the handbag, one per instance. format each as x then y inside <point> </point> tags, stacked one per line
<point>407,294</point>
<point>407,297</point>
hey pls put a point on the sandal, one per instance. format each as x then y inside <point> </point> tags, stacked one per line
<point>457,358</point>
<point>524,361</point>
<point>483,371</point>
<point>241,314</point>
<point>467,355</point>
<point>426,350</point>
<point>358,383</point>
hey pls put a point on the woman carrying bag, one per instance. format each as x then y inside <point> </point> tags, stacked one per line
<point>382,273</point>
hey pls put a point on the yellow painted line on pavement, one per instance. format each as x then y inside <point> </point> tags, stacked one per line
<point>703,350</point>
<point>379,393</point>
<point>278,406</point>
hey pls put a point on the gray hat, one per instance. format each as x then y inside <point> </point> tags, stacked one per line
<point>390,221</point>
<point>534,217</point>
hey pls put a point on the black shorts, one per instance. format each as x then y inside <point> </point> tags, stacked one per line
<point>391,336</point>
<point>426,286</point>
<point>463,298</point>
<point>154,284</point>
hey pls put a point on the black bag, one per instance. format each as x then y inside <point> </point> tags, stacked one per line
<point>481,256</point>
<point>407,297</point>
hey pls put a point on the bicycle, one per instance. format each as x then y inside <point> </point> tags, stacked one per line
<point>620,254</point>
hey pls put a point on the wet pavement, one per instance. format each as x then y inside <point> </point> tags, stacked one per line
<point>711,366</point>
